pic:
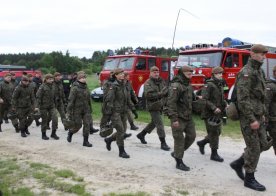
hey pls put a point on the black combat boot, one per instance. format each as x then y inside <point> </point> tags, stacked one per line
<point>93,130</point>
<point>108,141</point>
<point>27,131</point>
<point>7,121</point>
<point>23,134</point>
<point>69,137</point>
<point>237,165</point>
<point>86,142</point>
<point>201,144</point>
<point>179,164</point>
<point>17,130</point>
<point>252,183</point>
<point>133,127</point>
<point>164,145</point>
<point>215,156</point>
<point>54,135</point>
<point>126,135</point>
<point>141,137</point>
<point>122,152</point>
<point>1,127</point>
<point>44,136</point>
<point>274,147</point>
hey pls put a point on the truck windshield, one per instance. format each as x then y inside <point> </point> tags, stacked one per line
<point>123,63</point>
<point>200,60</point>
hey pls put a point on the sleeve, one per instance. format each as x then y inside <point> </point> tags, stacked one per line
<point>71,100</point>
<point>243,96</point>
<point>150,92</point>
<point>172,102</point>
<point>15,96</point>
<point>268,99</point>
<point>110,99</point>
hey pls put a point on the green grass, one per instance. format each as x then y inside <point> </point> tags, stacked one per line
<point>65,173</point>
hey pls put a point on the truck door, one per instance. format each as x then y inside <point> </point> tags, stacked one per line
<point>165,69</point>
<point>231,64</point>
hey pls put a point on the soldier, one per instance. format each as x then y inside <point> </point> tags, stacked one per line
<point>180,113</point>
<point>59,99</point>
<point>23,102</point>
<point>250,85</point>
<point>6,90</point>
<point>79,108</point>
<point>38,81</point>
<point>117,103</point>
<point>134,99</point>
<point>213,95</point>
<point>271,107</point>
<point>46,104</point>
<point>155,92</point>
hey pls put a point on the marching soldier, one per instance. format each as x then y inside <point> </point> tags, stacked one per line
<point>23,103</point>
<point>117,103</point>
<point>180,113</point>
<point>6,91</point>
<point>213,94</point>
<point>46,104</point>
<point>155,92</point>
<point>38,81</point>
<point>79,108</point>
<point>250,85</point>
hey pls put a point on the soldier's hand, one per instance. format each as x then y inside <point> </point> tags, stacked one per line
<point>135,114</point>
<point>217,111</point>
<point>36,109</point>
<point>255,125</point>
<point>175,124</point>
<point>1,100</point>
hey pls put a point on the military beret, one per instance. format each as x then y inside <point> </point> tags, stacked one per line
<point>186,68</point>
<point>259,48</point>
<point>118,71</point>
<point>81,74</point>
<point>274,68</point>
<point>7,75</point>
<point>217,70</point>
<point>48,76</point>
<point>154,68</point>
<point>57,74</point>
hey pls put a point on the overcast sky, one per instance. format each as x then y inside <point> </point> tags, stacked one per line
<point>83,26</point>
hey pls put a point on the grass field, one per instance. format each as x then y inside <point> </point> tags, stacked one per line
<point>232,128</point>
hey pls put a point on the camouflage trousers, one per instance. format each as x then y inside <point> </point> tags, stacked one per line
<point>156,121</point>
<point>61,112</point>
<point>47,115</point>
<point>81,118</point>
<point>213,134</point>
<point>181,142</point>
<point>271,128</point>
<point>25,117</point>
<point>4,110</point>
<point>119,122</point>
<point>130,116</point>
<point>256,142</point>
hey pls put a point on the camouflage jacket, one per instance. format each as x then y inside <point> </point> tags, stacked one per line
<point>251,90</point>
<point>59,93</point>
<point>14,83</point>
<point>133,96</point>
<point>79,99</point>
<point>155,99</point>
<point>107,84</point>
<point>118,98</point>
<point>213,96</point>
<point>45,96</point>
<point>23,97</point>
<point>180,98</point>
<point>271,99</point>
<point>6,90</point>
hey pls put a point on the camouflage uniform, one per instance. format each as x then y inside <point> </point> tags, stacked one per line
<point>180,109</point>
<point>23,101</point>
<point>6,90</point>
<point>134,99</point>
<point>46,104</point>
<point>271,109</point>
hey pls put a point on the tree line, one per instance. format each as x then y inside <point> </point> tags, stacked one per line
<point>65,63</point>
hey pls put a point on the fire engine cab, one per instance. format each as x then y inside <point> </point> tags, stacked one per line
<point>231,55</point>
<point>138,66</point>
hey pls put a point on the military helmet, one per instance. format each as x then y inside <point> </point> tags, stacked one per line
<point>214,121</point>
<point>232,112</point>
<point>12,115</point>
<point>68,124</point>
<point>36,115</point>
<point>106,130</point>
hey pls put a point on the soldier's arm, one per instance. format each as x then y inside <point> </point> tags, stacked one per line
<point>206,93</point>
<point>243,96</point>
<point>71,99</point>
<point>15,97</point>
<point>151,93</point>
<point>172,102</point>
<point>268,98</point>
<point>110,99</point>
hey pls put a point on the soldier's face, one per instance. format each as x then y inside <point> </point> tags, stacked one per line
<point>258,56</point>
<point>8,78</point>
<point>120,76</point>
<point>154,74</point>
<point>50,80</point>
<point>188,74</point>
<point>218,76</point>
<point>82,80</point>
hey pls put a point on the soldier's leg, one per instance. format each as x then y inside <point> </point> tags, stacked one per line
<point>131,120</point>
<point>179,145</point>
<point>44,123</point>
<point>213,135</point>
<point>61,112</point>
<point>5,117</point>
<point>91,127</point>
<point>147,129</point>
<point>272,132</point>
<point>86,129</point>
<point>76,127</point>
<point>22,120</point>
<point>29,120</point>
<point>190,134</point>
<point>54,117</point>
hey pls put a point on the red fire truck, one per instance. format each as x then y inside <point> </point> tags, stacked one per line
<point>137,65</point>
<point>231,55</point>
